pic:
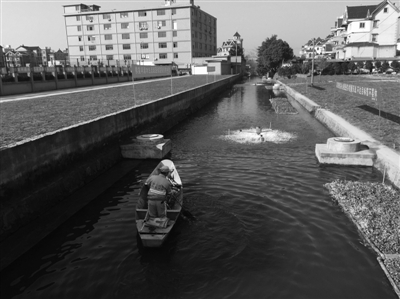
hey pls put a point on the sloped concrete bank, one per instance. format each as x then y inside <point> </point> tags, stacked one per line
<point>387,161</point>
<point>40,173</point>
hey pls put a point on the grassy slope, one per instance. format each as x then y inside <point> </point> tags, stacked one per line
<point>328,96</point>
<point>28,118</point>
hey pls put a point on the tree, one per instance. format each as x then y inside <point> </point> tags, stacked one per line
<point>385,66</point>
<point>240,51</point>
<point>378,65</point>
<point>306,67</point>
<point>395,65</point>
<point>344,67</point>
<point>271,54</point>
<point>352,66</point>
<point>368,65</point>
<point>337,68</point>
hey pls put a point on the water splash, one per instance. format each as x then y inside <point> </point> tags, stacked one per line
<point>250,136</point>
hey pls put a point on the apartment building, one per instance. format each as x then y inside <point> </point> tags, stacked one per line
<point>363,32</point>
<point>175,32</point>
<point>372,31</point>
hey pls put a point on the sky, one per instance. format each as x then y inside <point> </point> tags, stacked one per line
<point>41,23</point>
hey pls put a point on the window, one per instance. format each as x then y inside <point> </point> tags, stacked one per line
<point>92,48</point>
<point>82,58</point>
<point>385,10</point>
<point>145,56</point>
<point>77,7</point>
<point>79,28</point>
<point>110,57</point>
<point>91,38</point>
<point>108,37</point>
<point>142,13</point>
<point>143,25</point>
<point>107,26</point>
<point>90,27</point>
<point>81,48</point>
<point>161,12</point>
<point>124,25</point>
<point>144,45</point>
<point>123,15</point>
<point>374,37</point>
<point>161,24</point>
<point>174,11</point>
<point>127,57</point>
<point>143,35</point>
<point>126,36</point>
<point>175,44</point>
<point>175,55</point>
<point>109,47</point>
<point>375,24</point>
<point>126,46</point>
<point>162,34</point>
<point>106,16</point>
<point>175,33</point>
<point>362,25</point>
<point>78,18</point>
<point>174,24</point>
<point>80,38</point>
<point>162,45</point>
<point>93,57</point>
<point>89,18</point>
<point>163,55</point>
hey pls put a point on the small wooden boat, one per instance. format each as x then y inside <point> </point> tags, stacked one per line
<point>154,231</point>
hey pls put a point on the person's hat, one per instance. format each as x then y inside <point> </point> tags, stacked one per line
<point>164,169</point>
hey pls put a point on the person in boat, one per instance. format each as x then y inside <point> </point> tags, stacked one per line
<point>262,138</point>
<point>159,189</point>
<point>258,130</point>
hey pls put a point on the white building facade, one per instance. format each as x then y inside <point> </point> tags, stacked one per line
<point>173,32</point>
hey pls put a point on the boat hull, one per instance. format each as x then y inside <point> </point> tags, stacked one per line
<point>156,236</point>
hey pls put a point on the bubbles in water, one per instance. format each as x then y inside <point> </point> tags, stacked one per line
<point>250,136</point>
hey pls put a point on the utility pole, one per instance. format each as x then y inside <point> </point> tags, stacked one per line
<point>312,64</point>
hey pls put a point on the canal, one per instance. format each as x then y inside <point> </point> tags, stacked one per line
<point>264,226</point>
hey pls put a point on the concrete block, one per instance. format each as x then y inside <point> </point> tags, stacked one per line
<point>327,156</point>
<point>146,150</point>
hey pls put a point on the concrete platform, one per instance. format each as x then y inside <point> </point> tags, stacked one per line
<point>327,156</point>
<point>150,146</point>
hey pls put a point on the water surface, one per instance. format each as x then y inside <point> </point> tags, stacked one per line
<point>265,226</point>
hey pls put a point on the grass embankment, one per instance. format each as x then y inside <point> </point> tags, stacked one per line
<point>25,119</point>
<point>375,208</point>
<point>360,112</point>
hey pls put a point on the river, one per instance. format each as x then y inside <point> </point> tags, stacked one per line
<point>264,227</point>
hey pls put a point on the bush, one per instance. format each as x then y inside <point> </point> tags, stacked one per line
<point>368,66</point>
<point>395,65</point>
<point>385,66</point>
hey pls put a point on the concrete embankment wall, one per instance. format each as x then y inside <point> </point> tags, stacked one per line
<point>38,173</point>
<point>387,161</point>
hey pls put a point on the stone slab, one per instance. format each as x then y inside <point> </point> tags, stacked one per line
<point>327,156</point>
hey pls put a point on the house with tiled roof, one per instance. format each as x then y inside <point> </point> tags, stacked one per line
<point>372,31</point>
<point>322,48</point>
<point>363,32</point>
<point>33,55</point>
<point>338,40</point>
